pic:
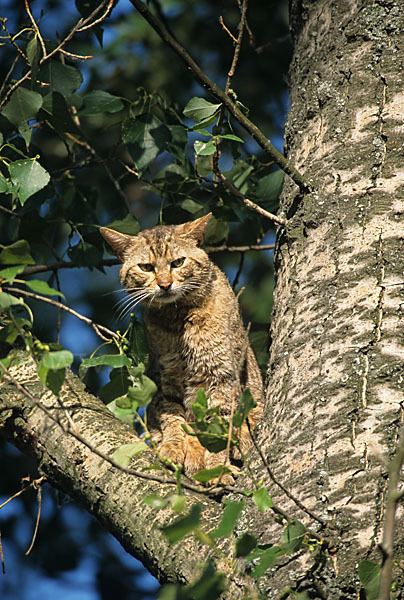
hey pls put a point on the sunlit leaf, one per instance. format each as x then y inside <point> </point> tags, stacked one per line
<point>58,359</point>
<point>262,499</point>
<point>29,177</point>
<point>229,519</point>
<point>23,105</point>
<point>369,576</point>
<point>292,537</point>
<point>183,526</point>
<point>199,109</point>
<point>41,287</point>
<point>125,453</point>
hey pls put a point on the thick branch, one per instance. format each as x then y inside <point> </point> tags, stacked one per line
<point>113,496</point>
<point>218,93</point>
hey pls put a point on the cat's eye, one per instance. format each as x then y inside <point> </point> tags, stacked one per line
<point>177,262</point>
<point>146,267</point>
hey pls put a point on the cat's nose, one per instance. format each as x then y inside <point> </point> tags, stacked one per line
<point>164,284</point>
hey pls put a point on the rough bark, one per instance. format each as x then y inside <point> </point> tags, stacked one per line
<point>112,496</point>
<point>336,373</point>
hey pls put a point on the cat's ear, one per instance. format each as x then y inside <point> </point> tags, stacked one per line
<point>118,241</point>
<point>195,230</point>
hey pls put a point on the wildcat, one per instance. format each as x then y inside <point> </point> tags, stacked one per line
<point>195,334</point>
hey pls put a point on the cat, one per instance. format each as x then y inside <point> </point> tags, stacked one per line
<point>195,334</point>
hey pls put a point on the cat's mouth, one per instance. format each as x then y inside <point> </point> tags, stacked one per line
<point>166,296</point>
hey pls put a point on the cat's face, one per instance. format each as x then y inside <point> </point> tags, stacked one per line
<point>164,264</point>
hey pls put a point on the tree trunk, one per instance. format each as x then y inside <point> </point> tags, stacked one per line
<point>336,373</point>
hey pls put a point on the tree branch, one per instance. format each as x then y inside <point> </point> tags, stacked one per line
<point>113,496</point>
<point>218,93</point>
<point>393,497</point>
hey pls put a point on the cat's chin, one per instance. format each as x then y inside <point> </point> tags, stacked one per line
<point>166,297</point>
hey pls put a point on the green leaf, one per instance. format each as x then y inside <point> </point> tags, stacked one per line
<point>155,501</point>
<point>54,379</point>
<point>126,415</point>
<point>125,453</point>
<point>117,386</point>
<point>128,225</point>
<point>210,585</point>
<point>62,78</point>
<point>138,341</point>
<point>29,177</point>
<point>59,113</point>
<point>177,502</point>
<point>6,187</point>
<point>11,331</point>
<point>245,544</point>
<point>22,106</point>
<point>11,273</point>
<point>19,253</point>
<point>199,109</point>
<point>41,287</point>
<point>34,53</point>
<point>269,189</point>
<point>230,136</point>
<point>216,231</point>
<point>84,254</point>
<point>143,393</point>
<point>191,206</point>
<point>111,360</point>
<point>246,404</point>
<point>57,360</point>
<point>98,101</point>
<point>262,499</point>
<point>229,519</point>
<point>266,559</point>
<point>208,474</point>
<point>146,137</point>
<point>292,537</point>
<point>369,576</point>
<point>7,300</point>
<point>204,148</point>
<point>183,526</point>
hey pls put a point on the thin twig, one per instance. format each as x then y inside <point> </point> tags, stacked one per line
<point>38,33</point>
<point>97,328</point>
<point>233,190</point>
<point>238,45</point>
<point>218,93</point>
<point>80,26</point>
<point>240,268</point>
<point>38,517</point>
<point>393,496</point>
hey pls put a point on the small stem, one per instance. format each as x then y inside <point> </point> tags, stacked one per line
<point>97,328</point>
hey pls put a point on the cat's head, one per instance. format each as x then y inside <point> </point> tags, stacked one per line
<point>164,264</point>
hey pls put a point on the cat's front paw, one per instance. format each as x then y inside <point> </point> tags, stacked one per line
<point>173,451</point>
<point>194,456</point>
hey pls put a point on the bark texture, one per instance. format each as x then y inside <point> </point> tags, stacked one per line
<point>114,497</point>
<point>336,374</point>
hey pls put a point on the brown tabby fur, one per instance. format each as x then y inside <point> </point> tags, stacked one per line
<point>195,334</point>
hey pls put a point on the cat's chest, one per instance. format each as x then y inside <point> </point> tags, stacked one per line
<point>178,332</point>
